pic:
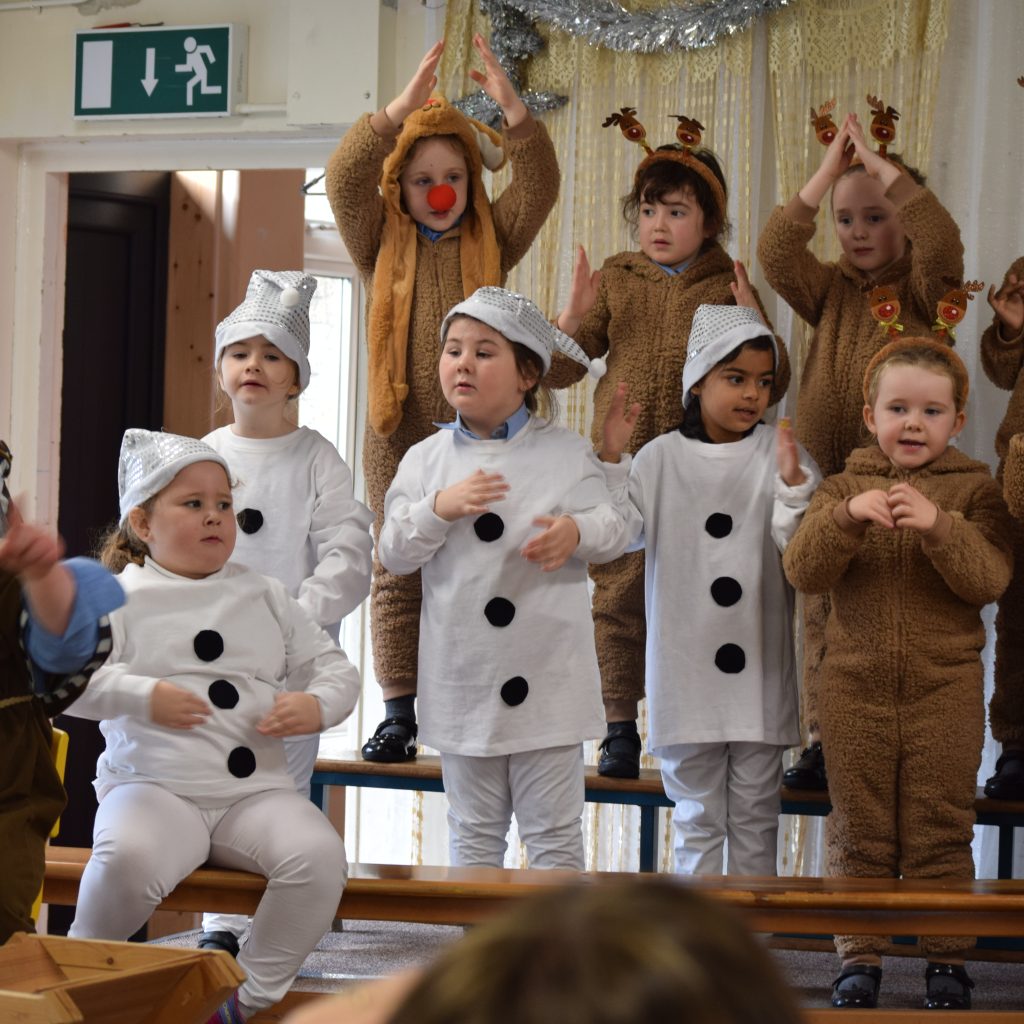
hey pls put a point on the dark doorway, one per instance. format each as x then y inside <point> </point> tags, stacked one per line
<point>115,308</point>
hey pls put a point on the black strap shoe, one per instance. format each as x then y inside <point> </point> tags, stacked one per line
<point>1008,781</point>
<point>948,987</point>
<point>620,756</point>
<point>393,741</point>
<point>225,941</point>
<point>857,987</point>
<point>809,770</point>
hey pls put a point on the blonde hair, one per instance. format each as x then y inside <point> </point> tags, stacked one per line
<point>924,353</point>
<point>608,952</point>
<point>121,545</point>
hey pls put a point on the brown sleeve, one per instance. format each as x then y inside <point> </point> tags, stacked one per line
<point>353,174</point>
<point>591,336</point>
<point>976,558</point>
<point>520,211</point>
<point>937,251</point>
<point>1002,357</point>
<point>1013,476</point>
<point>820,551</point>
<point>789,266</point>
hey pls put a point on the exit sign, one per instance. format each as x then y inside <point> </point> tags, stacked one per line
<point>196,71</point>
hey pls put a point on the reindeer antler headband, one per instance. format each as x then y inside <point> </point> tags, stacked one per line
<point>688,132</point>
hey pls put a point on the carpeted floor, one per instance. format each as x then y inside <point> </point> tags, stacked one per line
<point>368,949</point>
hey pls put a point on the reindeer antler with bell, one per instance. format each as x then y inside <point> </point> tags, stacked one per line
<point>883,123</point>
<point>825,129</point>
<point>630,127</point>
<point>952,307</point>
<point>885,308</point>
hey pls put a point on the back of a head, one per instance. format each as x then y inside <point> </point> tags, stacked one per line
<point>614,952</point>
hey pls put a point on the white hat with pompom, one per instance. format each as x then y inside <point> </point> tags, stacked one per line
<point>517,318</point>
<point>276,305</point>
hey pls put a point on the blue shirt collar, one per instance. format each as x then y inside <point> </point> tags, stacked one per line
<point>672,271</point>
<point>503,432</point>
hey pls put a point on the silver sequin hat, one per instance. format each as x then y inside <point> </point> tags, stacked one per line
<point>517,318</point>
<point>276,305</point>
<point>714,333</point>
<point>150,460</point>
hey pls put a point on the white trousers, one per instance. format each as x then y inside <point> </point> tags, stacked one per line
<point>300,754</point>
<point>146,840</point>
<point>724,791</point>
<point>543,788</point>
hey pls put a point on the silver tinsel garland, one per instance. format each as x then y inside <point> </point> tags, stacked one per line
<point>513,41</point>
<point>674,26</point>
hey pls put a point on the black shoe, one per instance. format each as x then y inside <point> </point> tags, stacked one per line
<point>620,756</point>
<point>809,770</point>
<point>393,746</point>
<point>949,987</point>
<point>219,940</point>
<point>1008,781</point>
<point>857,987</point>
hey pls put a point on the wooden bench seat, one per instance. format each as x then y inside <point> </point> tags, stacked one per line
<point>646,792</point>
<point>438,895</point>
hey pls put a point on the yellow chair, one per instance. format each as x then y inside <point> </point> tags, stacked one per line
<point>59,749</point>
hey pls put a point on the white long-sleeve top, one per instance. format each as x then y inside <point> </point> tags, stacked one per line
<point>506,660</point>
<point>714,520</point>
<point>232,638</point>
<point>294,493</point>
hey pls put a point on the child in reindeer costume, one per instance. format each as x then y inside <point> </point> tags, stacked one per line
<point>910,542</point>
<point>407,191</point>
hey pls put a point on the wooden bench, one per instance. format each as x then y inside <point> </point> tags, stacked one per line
<point>647,793</point>
<point>438,895</point>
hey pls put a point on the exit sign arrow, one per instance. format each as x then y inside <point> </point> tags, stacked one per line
<point>149,83</point>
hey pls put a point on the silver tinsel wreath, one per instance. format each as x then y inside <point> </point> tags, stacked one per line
<point>675,26</point>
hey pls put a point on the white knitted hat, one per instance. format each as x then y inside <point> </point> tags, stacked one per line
<point>714,333</point>
<point>517,318</point>
<point>276,305</point>
<point>150,460</point>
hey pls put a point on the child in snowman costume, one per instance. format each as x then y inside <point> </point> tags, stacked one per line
<point>194,703</point>
<point>501,511</point>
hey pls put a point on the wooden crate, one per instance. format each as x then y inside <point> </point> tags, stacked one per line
<point>47,979</point>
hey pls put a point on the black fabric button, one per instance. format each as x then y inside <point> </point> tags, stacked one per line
<point>250,520</point>
<point>222,694</point>
<point>719,525</point>
<point>208,645</point>
<point>726,591</point>
<point>489,527</point>
<point>730,658</point>
<point>499,611</point>
<point>241,762</point>
<point>514,691</point>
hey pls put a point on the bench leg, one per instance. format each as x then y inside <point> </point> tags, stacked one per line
<point>648,837</point>
<point>1005,851</point>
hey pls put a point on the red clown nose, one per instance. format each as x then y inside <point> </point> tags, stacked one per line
<point>441,198</point>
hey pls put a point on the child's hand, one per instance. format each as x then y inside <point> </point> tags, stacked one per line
<point>175,707</point>
<point>554,547</point>
<point>470,497</point>
<point>788,454</point>
<point>872,507</point>
<point>911,510</point>
<point>1008,303</point>
<point>618,424</point>
<point>417,92</point>
<point>582,293</point>
<point>834,163</point>
<point>496,84</point>
<point>877,166</point>
<point>742,290</point>
<point>28,551</point>
<point>293,714</point>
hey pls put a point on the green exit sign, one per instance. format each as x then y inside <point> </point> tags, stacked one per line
<point>191,71</point>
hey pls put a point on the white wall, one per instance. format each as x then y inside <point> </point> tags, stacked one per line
<point>348,56</point>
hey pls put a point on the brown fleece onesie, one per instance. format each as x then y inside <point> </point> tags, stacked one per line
<point>518,213</point>
<point>902,705</point>
<point>1003,360</point>
<point>830,297</point>
<point>640,323</point>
